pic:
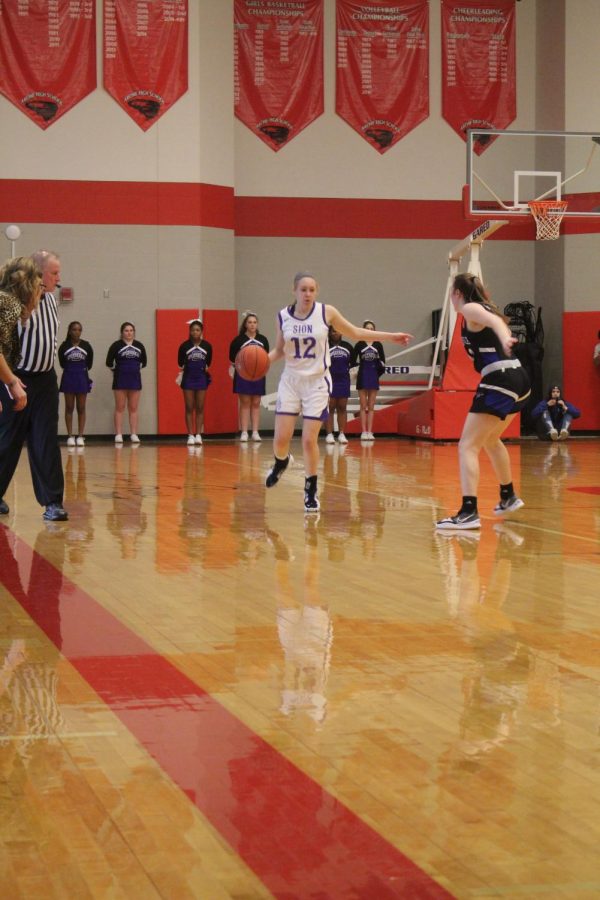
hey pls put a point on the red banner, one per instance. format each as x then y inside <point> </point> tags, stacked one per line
<point>47,55</point>
<point>146,56</point>
<point>478,65</point>
<point>278,67</point>
<point>382,87</point>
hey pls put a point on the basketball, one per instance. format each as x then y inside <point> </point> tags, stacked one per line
<point>252,362</point>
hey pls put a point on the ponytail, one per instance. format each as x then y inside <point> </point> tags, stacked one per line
<point>473,291</point>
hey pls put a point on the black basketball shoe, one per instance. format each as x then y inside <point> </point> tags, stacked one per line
<point>311,501</point>
<point>277,470</point>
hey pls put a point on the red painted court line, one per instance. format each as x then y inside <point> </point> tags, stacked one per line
<point>298,839</point>
<point>592,489</point>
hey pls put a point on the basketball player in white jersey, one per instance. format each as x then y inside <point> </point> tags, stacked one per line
<point>305,385</point>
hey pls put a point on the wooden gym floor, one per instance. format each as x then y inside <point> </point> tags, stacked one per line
<point>206,694</point>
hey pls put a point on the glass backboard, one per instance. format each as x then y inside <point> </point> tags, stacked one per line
<point>505,169</point>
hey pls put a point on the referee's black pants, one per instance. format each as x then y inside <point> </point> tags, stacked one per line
<point>38,425</point>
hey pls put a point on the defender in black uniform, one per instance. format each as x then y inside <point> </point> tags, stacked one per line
<point>503,390</point>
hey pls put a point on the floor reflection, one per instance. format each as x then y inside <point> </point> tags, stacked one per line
<point>80,532</point>
<point>495,685</point>
<point>249,505</point>
<point>301,679</point>
<point>29,710</point>
<point>557,466</point>
<point>305,630</point>
<point>371,506</point>
<point>194,526</point>
<point>127,521</point>
<point>336,518</point>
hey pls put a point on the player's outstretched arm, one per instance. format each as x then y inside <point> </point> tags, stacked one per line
<point>335,318</point>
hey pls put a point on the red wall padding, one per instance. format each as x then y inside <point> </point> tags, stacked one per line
<point>220,410</point>
<point>581,379</point>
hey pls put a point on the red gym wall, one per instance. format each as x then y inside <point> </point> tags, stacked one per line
<point>220,409</point>
<point>581,379</point>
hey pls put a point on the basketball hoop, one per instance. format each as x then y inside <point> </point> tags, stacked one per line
<point>548,215</point>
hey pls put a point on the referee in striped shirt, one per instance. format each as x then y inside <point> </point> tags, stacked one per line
<point>38,422</point>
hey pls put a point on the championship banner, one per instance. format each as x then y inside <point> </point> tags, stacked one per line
<point>146,56</point>
<point>47,55</point>
<point>278,67</point>
<point>382,85</point>
<point>478,66</point>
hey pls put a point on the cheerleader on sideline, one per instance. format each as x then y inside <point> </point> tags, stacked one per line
<point>341,362</point>
<point>76,357</point>
<point>249,392</point>
<point>503,391</point>
<point>305,384</point>
<point>370,358</point>
<point>194,357</point>
<point>126,358</point>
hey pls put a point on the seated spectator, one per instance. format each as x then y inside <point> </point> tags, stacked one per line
<point>553,416</point>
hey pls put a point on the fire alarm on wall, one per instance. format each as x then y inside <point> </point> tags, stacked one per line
<point>66,295</point>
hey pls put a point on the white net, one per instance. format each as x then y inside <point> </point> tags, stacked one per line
<point>548,215</point>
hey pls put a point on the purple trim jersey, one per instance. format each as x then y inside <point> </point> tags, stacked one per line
<point>195,360</point>
<point>370,357</point>
<point>126,361</point>
<point>75,378</point>
<point>341,362</point>
<point>306,341</point>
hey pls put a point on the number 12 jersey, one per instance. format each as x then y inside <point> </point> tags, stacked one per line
<point>306,344</point>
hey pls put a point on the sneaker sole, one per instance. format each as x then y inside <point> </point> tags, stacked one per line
<point>518,504</point>
<point>467,526</point>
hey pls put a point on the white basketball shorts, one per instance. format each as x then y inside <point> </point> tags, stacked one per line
<point>308,395</point>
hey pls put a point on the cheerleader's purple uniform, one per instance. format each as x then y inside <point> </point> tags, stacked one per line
<point>339,369</point>
<point>195,359</point>
<point>370,359</point>
<point>126,361</point>
<point>241,385</point>
<point>76,360</point>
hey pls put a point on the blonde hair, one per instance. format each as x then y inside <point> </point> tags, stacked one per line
<point>21,277</point>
